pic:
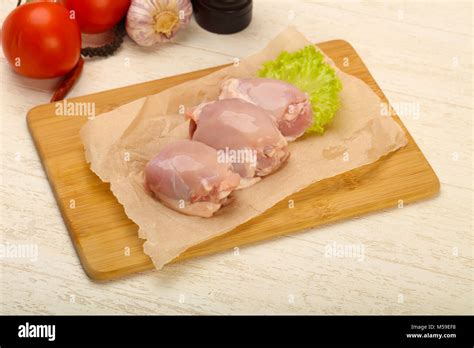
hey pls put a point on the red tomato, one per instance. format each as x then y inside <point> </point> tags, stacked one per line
<point>57,1</point>
<point>40,40</point>
<point>97,16</point>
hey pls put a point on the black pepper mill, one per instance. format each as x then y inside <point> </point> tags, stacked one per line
<point>223,16</point>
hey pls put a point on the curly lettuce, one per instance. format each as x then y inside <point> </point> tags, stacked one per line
<point>307,70</point>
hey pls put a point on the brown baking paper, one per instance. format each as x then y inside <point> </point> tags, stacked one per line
<point>119,143</point>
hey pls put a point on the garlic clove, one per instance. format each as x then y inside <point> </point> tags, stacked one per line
<point>154,21</point>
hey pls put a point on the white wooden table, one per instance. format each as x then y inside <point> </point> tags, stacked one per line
<point>417,260</point>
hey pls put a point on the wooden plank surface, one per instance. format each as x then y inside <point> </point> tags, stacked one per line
<point>107,241</point>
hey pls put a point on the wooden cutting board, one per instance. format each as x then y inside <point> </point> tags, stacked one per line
<point>107,241</point>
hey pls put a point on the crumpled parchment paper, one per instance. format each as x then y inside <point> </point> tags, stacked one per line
<point>119,143</point>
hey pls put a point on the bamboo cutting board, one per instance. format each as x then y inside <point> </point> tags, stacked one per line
<point>107,241</point>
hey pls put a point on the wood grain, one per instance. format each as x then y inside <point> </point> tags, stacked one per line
<point>101,232</point>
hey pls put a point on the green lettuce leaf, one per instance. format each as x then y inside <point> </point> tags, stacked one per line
<point>307,70</point>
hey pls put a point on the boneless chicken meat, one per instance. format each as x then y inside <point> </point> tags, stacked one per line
<point>243,133</point>
<point>187,177</point>
<point>286,103</point>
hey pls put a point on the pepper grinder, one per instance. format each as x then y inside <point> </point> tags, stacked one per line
<point>223,16</point>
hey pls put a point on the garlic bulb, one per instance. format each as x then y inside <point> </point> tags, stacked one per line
<point>152,21</point>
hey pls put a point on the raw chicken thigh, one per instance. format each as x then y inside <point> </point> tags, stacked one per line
<point>289,106</point>
<point>244,134</point>
<point>187,177</point>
